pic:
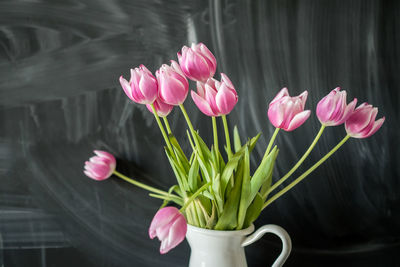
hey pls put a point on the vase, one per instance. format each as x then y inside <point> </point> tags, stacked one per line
<point>213,248</point>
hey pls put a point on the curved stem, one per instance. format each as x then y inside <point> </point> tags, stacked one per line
<point>271,141</point>
<point>167,125</point>
<point>306,173</point>
<point>189,123</point>
<point>141,185</point>
<point>287,175</point>
<point>194,196</point>
<point>173,198</point>
<point>162,129</point>
<point>227,138</point>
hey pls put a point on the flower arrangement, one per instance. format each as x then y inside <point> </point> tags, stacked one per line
<point>216,190</point>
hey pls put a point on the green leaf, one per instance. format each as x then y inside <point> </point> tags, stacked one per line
<point>253,142</point>
<point>228,218</point>
<point>244,198</point>
<point>171,189</point>
<point>230,167</point>
<point>216,187</point>
<point>205,169</point>
<point>203,147</point>
<point>261,174</point>
<point>180,175</point>
<point>179,153</point>
<point>267,184</point>
<point>193,173</point>
<point>253,211</point>
<point>236,139</point>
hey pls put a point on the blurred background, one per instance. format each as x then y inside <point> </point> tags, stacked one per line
<point>60,98</point>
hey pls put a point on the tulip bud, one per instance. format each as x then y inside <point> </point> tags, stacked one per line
<point>215,98</point>
<point>142,87</point>
<point>361,123</point>
<point>101,166</point>
<point>170,226</point>
<point>161,108</point>
<point>173,85</point>
<point>197,62</point>
<point>288,112</point>
<point>332,110</point>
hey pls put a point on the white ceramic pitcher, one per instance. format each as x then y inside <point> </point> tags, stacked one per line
<point>212,248</point>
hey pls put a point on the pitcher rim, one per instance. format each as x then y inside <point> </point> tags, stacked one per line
<point>241,232</point>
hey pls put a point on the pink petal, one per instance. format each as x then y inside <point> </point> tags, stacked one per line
<point>126,87</point>
<point>148,88</point>
<point>226,99</point>
<point>276,114</point>
<point>202,104</point>
<point>176,235</point>
<point>283,92</point>
<point>227,81</point>
<point>298,120</point>
<point>163,217</point>
<point>376,127</point>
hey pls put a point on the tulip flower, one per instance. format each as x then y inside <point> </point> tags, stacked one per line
<point>169,225</point>
<point>173,85</point>
<point>361,123</point>
<point>101,166</point>
<point>332,110</point>
<point>286,112</point>
<point>197,62</point>
<point>215,98</point>
<point>162,108</point>
<point>142,87</point>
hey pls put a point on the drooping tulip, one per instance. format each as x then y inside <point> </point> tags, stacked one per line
<point>101,166</point>
<point>142,87</point>
<point>288,112</point>
<point>215,98</point>
<point>332,110</point>
<point>163,109</point>
<point>170,226</point>
<point>361,123</point>
<point>197,62</point>
<point>173,86</point>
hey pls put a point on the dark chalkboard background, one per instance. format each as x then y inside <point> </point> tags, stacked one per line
<point>60,99</point>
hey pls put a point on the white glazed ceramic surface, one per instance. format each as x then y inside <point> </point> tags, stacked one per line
<point>211,248</point>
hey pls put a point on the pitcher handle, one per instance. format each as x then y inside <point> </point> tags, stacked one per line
<point>277,230</point>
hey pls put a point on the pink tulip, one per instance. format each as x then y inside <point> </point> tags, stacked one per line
<point>197,62</point>
<point>142,87</point>
<point>215,98</point>
<point>169,225</point>
<point>101,166</point>
<point>332,110</point>
<point>361,123</point>
<point>288,112</point>
<point>173,85</point>
<point>162,108</point>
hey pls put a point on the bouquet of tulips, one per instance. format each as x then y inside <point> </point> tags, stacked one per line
<point>216,190</point>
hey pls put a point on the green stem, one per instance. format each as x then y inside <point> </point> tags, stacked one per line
<point>306,173</point>
<point>167,125</point>
<point>194,196</point>
<point>173,198</point>
<point>271,141</point>
<point>284,178</point>
<point>162,129</point>
<point>227,138</point>
<point>215,133</point>
<point>189,123</point>
<point>141,185</point>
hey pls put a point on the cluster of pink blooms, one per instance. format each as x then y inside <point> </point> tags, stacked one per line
<point>170,86</point>
<point>215,98</point>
